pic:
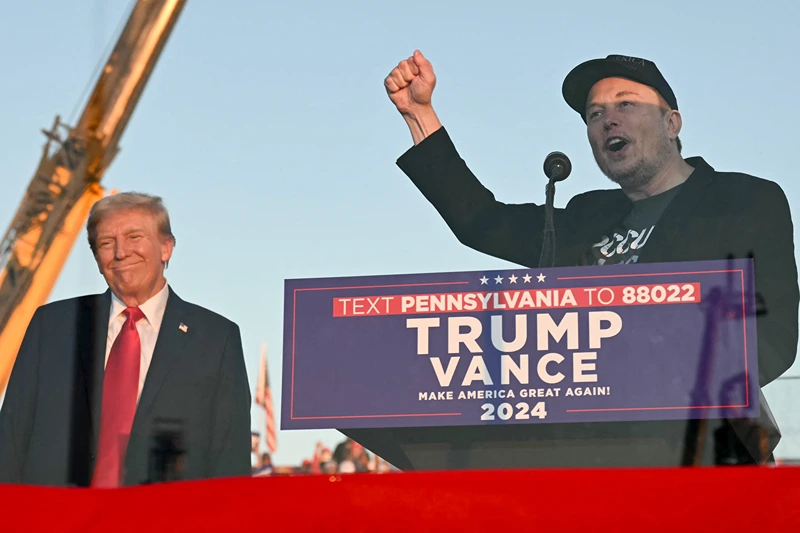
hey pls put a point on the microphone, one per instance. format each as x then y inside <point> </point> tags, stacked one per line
<point>557,167</point>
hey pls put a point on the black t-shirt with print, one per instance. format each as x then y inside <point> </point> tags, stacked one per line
<point>624,243</point>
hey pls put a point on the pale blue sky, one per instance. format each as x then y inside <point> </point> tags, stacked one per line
<point>267,130</point>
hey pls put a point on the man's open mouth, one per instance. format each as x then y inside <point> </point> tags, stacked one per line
<point>615,144</point>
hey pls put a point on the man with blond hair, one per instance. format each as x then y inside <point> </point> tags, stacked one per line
<point>114,389</point>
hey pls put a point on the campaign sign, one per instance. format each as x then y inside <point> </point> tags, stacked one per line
<point>523,346</point>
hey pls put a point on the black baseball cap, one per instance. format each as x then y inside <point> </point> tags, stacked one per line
<point>580,80</point>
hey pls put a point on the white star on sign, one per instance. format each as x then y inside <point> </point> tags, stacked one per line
<point>541,277</point>
<point>484,280</point>
<point>498,280</point>
<point>512,278</point>
<point>527,278</point>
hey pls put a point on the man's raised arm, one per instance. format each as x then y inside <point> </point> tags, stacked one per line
<point>507,231</point>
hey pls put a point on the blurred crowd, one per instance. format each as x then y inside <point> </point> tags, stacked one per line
<point>348,457</point>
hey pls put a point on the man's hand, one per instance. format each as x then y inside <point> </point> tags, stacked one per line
<point>410,87</point>
<point>410,84</point>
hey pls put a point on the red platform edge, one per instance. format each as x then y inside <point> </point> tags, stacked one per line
<point>681,499</point>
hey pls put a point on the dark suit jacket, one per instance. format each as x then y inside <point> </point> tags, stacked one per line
<point>715,216</point>
<point>196,383</point>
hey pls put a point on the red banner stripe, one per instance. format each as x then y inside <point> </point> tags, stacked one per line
<point>518,300</point>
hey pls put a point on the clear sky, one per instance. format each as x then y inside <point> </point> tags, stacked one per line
<point>266,129</point>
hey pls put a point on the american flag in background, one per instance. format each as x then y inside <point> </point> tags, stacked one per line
<point>264,399</point>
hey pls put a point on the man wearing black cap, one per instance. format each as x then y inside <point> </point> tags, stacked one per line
<point>666,208</point>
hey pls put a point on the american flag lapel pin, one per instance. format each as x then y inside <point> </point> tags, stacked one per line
<point>183,327</point>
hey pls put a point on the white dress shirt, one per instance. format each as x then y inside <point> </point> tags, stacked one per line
<point>148,328</point>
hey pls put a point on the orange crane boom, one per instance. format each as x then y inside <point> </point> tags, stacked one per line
<point>66,184</point>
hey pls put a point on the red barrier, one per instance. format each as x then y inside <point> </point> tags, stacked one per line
<point>712,499</point>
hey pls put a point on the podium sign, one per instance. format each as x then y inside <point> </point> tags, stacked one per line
<point>526,346</point>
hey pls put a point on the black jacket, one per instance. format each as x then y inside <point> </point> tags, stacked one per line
<point>715,215</point>
<point>196,384</point>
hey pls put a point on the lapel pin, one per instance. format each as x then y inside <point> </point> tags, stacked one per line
<point>183,327</point>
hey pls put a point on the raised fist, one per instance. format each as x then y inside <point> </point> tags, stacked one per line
<point>410,84</point>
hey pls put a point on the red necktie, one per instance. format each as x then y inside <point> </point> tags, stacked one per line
<point>120,392</point>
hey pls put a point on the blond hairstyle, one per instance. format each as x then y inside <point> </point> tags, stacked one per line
<point>128,201</point>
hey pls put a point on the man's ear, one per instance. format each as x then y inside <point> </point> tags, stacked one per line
<point>166,250</point>
<point>674,124</point>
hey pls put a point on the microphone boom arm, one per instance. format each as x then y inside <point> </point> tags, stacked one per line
<point>548,254</point>
<point>557,167</point>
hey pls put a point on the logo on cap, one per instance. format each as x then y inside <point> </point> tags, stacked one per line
<point>632,62</point>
